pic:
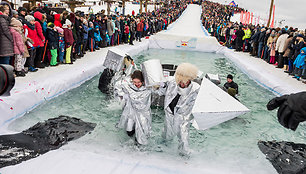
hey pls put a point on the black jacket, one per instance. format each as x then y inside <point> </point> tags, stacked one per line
<point>231,85</point>
<point>261,37</point>
<point>52,37</point>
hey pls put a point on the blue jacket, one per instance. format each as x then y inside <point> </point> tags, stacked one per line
<point>86,32</point>
<point>97,34</point>
<point>300,59</point>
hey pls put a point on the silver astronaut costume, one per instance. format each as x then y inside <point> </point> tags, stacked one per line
<point>178,123</point>
<point>136,110</point>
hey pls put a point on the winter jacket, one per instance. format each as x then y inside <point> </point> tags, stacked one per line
<point>85,34</point>
<point>68,36</point>
<point>6,38</point>
<point>300,59</point>
<point>126,29</point>
<point>57,20</point>
<point>297,48</point>
<point>32,34</point>
<point>261,37</point>
<point>280,43</point>
<point>17,25</point>
<point>255,37</point>
<point>110,27</point>
<point>91,33</point>
<point>97,34</point>
<point>247,34</point>
<point>41,37</point>
<point>140,26</point>
<point>18,42</point>
<point>287,46</point>
<point>52,37</point>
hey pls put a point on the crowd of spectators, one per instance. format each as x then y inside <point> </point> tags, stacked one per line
<point>37,38</point>
<point>282,47</point>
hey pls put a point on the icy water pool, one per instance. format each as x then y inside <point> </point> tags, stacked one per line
<point>231,146</point>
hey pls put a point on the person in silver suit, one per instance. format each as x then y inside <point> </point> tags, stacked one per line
<point>180,95</point>
<point>136,116</point>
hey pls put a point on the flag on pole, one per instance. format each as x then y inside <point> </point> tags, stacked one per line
<point>272,23</point>
<point>233,4</point>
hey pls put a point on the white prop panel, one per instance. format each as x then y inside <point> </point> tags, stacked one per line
<point>214,106</point>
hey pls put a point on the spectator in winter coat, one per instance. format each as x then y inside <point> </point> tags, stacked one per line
<point>21,16</point>
<point>19,47</point>
<point>91,37</point>
<point>97,36</point>
<point>52,37</point>
<point>32,41</point>
<point>85,36</point>
<point>299,64</point>
<point>110,28</point>
<point>261,42</point>
<point>287,48</point>
<point>68,36</point>
<point>6,39</point>
<point>239,42</point>
<point>272,44</point>
<point>132,31</point>
<point>41,38</point>
<point>61,40</point>
<point>139,30</point>
<point>126,32</point>
<point>280,44</point>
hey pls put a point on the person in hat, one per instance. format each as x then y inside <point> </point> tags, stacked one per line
<point>230,86</point>
<point>61,45</point>
<point>22,12</point>
<point>53,43</point>
<point>68,36</point>
<point>180,95</point>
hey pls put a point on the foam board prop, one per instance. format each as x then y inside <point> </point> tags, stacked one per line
<point>114,59</point>
<point>152,71</point>
<point>213,78</point>
<point>214,106</point>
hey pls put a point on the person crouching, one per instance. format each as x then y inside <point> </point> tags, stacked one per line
<point>136,116</point>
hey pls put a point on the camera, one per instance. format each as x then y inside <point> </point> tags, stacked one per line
<point>7,79</point>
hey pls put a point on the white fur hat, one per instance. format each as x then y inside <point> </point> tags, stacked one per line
<point>68,22</point>
<point>185,72</point>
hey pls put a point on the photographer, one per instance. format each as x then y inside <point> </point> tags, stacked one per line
<point>7,79</point>
<point>292,109</point>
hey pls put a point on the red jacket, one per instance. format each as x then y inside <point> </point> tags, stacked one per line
<point>40,34</point>
<point>68,37</point>
<point>32,34</point>
<point>140,26</point>
<point>126,29</point>
<point>57,20</point>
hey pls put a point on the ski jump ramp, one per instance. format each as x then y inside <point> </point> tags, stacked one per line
<point>186,33</point>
